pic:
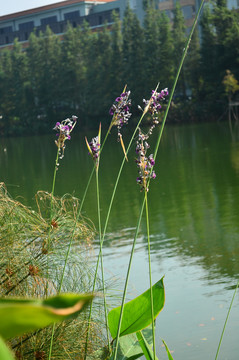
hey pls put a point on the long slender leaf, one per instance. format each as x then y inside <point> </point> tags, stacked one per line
<point>129,347</point>
<point>168,351</point>
<point>137,312</point>
<point>19,316</point>
<point>147,350</point>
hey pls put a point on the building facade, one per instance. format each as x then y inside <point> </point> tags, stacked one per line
<point>95,12</point>
<point>56,16</point>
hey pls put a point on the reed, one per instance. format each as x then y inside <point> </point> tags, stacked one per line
<point>39,263</point>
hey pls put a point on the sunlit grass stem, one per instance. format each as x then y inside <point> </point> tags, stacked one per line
<point>155,154</point>
<point>100,258</point>
<point>73,233</point>
<point>110,206</point>
<point>150,271</point>
<point>48,245</point>
<point>225,324</point>
<point>54,182</point>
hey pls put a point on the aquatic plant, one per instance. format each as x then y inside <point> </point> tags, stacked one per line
<point>132,318</point>
<point>64,128</point>
<point>28,266</point>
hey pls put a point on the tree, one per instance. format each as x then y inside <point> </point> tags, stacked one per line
<point>179,38</point>
<point>35,74</point>
<point>192,65</point>
<point>116,66</point>
<point>72,70</point>
<point>152,66</point>
<point>133,56</point>
<point>230,84</point>
<point>209,61</point>
<point>166,63</point>
<point>50,91</point>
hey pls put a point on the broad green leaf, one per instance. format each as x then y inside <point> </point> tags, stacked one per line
<point>137,312</point>
<point>147,350</point>
<point>19,316</point>
<point>168,351</point>
<point>5,353</point>
<point>129,347</point>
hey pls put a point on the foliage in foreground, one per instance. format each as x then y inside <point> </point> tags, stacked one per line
<point>21,316</point>
<point>30,267</point>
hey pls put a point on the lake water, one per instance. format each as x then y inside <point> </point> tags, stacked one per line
<point>194,224</point>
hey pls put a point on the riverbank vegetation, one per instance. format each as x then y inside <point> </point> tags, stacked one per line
<point>45,250</point>
<point>84,71</point>
<point>31,268</point>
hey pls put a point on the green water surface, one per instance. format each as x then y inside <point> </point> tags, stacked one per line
<point>194,223</point>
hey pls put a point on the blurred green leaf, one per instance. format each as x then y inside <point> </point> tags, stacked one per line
<point>5,353</point>
<point>19,316</point>
<point>137,312</point>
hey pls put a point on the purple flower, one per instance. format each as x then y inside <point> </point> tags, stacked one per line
<point>120,111</point>
<point>145,164</point>
<point>94,147</point>
<point>153,175</point>
<point>64,129</point>
<point>151,160</point>
<point>153,104</point>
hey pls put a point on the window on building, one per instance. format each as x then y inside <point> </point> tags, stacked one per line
<point>26,26</point>
<point>49,20</point>
<point>72,15</point>
<point>5,30</point>
<point>100,20</point>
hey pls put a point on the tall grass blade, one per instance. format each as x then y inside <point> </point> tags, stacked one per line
<point>150,274</point>
<point>148,353</point>
<point>225,324</point>
<point>167,350</point>
<point>155,154</point>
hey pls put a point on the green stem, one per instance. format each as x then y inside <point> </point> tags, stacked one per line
<point>54,182</point>
<point>73,233</point>
<point>100,258</point>
<point>225,324</point>
<point>48,242</point>
<point>150,272</point>
<point>127,280</point>
<point>155,154</point>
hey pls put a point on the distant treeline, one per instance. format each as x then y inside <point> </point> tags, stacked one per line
<point>82,73</point>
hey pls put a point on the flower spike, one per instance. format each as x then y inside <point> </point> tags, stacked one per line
<point>146,163</point>
<point>94,147</point>
<point>64,129</point>
<point>120,112</point>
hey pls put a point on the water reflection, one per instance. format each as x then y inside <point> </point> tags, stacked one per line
<point>194,222</point>
<point>194,201</point>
